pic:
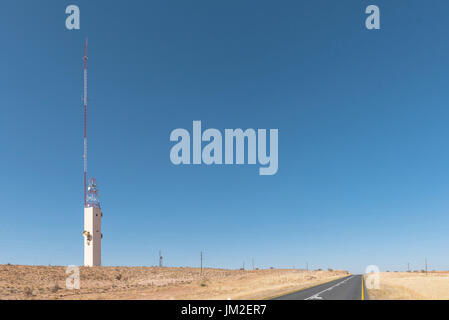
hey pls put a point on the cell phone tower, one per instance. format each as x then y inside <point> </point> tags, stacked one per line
<point>85,123</point>
<point>92,210</point>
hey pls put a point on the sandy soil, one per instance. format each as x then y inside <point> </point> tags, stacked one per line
<point>48,282</point>
<point>411,286</point>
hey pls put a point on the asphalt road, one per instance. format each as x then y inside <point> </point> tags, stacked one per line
<point>348,288</point>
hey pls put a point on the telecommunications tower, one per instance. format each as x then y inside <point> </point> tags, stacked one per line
<point>92,210</point>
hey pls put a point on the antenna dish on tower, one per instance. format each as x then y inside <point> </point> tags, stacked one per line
<point>92,194</point>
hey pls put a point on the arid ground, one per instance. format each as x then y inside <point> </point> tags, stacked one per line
<point>48,282</point>
<point>411,285</point>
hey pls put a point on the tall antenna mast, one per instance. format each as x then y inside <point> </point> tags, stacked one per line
<point>85,123</point>
<point>92,210</point>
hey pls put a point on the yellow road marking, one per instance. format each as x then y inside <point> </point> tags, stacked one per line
<point>363,297</point>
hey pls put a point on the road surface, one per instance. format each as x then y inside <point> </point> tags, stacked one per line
<point>348,288</point>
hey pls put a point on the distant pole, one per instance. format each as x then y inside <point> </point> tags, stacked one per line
<point>243,265</point>
<point>408,266</point>
<point>426,265</point>
<point>160,258</point>
<point>253,263</point>
<point>201,258</point>
<point>307,266</point>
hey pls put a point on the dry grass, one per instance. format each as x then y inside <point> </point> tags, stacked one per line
<point>412,286</point>
<point>42,282</point>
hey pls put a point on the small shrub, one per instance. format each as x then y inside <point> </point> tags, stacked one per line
<point>118,277</point>
<point>55,288</point>
<point>203,284</point>
<point>28,292</point>
<point>330,269</point>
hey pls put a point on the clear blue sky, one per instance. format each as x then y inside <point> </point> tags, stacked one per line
<point>363,123</point>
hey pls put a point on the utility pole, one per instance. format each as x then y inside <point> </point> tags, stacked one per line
<point>307,266</point>
<point>201,258</point>
<point>160,258</point>
<point>253,263</point>
<point>408,266</point>
<point>426,265</point>
<point>243,265</point>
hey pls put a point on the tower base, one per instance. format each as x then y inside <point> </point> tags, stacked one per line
<point>92,236</point>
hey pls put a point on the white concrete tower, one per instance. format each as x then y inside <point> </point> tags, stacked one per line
<point>92,227</point>
<point>92,236</point>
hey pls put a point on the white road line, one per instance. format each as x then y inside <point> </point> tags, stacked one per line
<point>317,295</point>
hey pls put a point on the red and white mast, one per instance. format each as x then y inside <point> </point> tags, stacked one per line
<point>85,123</point>
<point>92,211</point>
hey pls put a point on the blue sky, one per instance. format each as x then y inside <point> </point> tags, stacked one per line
<point>362,116</point>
